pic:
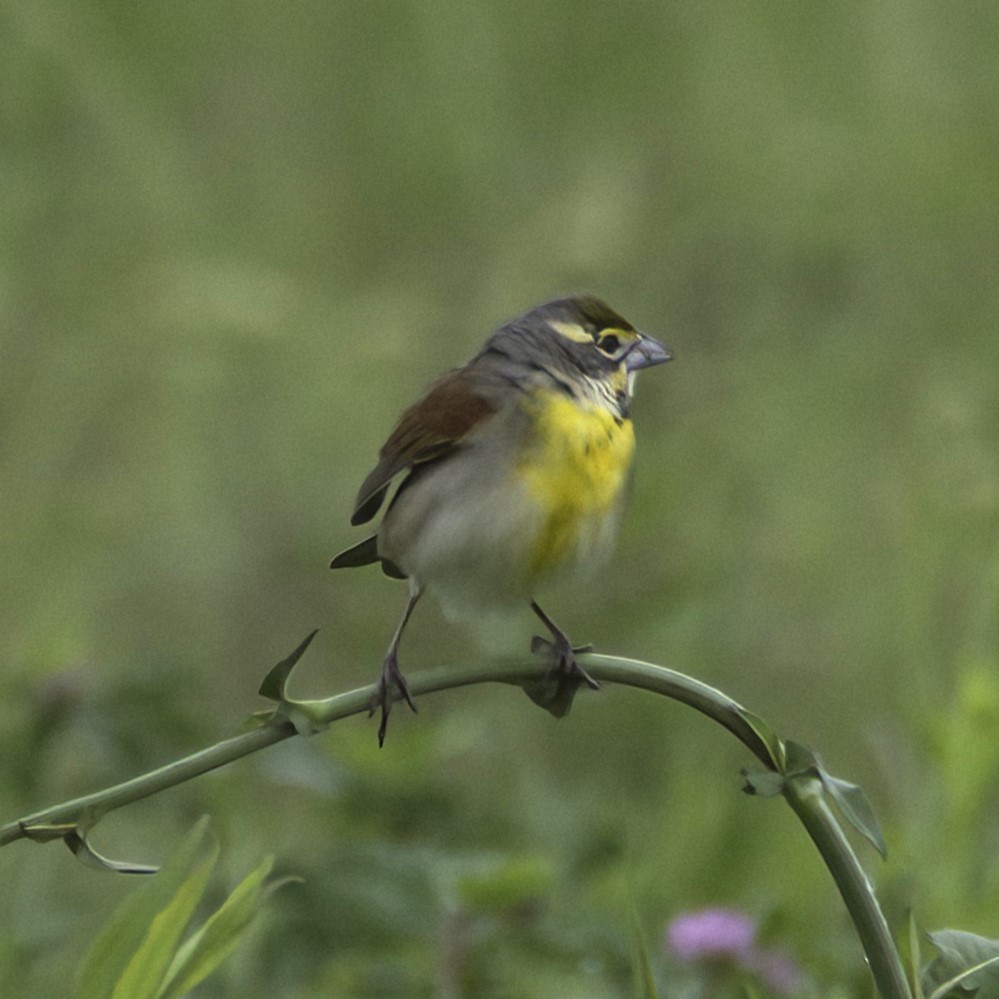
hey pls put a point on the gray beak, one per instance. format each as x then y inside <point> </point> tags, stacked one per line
<point>646,352</point>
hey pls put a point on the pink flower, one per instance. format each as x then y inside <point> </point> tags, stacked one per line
<point>711,933</point>
<point>728,936</point>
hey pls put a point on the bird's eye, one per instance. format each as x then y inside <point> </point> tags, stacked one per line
<point>609,344</point>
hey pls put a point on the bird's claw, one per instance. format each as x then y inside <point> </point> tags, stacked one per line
<point>563,653</point>
<point>390,679</point>
<point>555,691</point>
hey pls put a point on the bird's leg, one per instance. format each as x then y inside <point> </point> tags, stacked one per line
<point>391,676</point>
<point>555,693</point>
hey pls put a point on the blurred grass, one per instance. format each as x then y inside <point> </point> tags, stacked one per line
<point>234,239</point>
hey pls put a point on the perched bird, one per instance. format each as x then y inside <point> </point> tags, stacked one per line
<point>512,468</point>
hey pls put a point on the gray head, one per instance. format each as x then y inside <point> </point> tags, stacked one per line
<point>577,345</point>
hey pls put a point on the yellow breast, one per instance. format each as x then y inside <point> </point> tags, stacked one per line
<point>575,469</point>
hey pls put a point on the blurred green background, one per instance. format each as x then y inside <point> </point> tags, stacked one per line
<point>235,238</point>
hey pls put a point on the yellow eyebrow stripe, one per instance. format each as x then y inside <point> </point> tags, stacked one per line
<point>571,331</point>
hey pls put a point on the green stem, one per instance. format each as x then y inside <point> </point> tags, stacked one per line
<point>52,822</point>
<point>805,795</point>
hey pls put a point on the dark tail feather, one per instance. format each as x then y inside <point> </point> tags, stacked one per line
<point>364,553</point>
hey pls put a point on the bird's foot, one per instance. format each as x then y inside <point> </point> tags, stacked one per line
<point>390,681</point>
<point>555,691</point>
<point>563,654</point>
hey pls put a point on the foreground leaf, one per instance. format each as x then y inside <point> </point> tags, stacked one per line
<point>130,957</point>
<point>967,965</point>
<point>915,958</point>
<point>645,977</point>
<point>207,948</point>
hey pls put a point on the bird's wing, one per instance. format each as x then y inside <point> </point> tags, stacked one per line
<point>428,431</point>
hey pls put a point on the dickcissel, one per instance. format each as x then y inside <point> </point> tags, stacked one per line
<point>512,469</point>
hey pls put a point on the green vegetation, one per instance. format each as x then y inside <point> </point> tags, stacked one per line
<point>234,238</point>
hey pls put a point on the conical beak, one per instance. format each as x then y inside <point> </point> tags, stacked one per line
<point>646,352</point>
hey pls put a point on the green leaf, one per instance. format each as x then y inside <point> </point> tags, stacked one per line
<point>855,808</point>
<point>207,948</point>
<point>87,855</point>
<point>966,965</point>
<point>645,978</point>
<point>800,759</point>
<point>129,958</point>
<point>849,798</point>
<point>277,679</point>
<point>765,783</point>
<point>915,958</point>
<point>770,739</point>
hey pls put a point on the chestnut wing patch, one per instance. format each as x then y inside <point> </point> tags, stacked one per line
<point>429,430</point>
